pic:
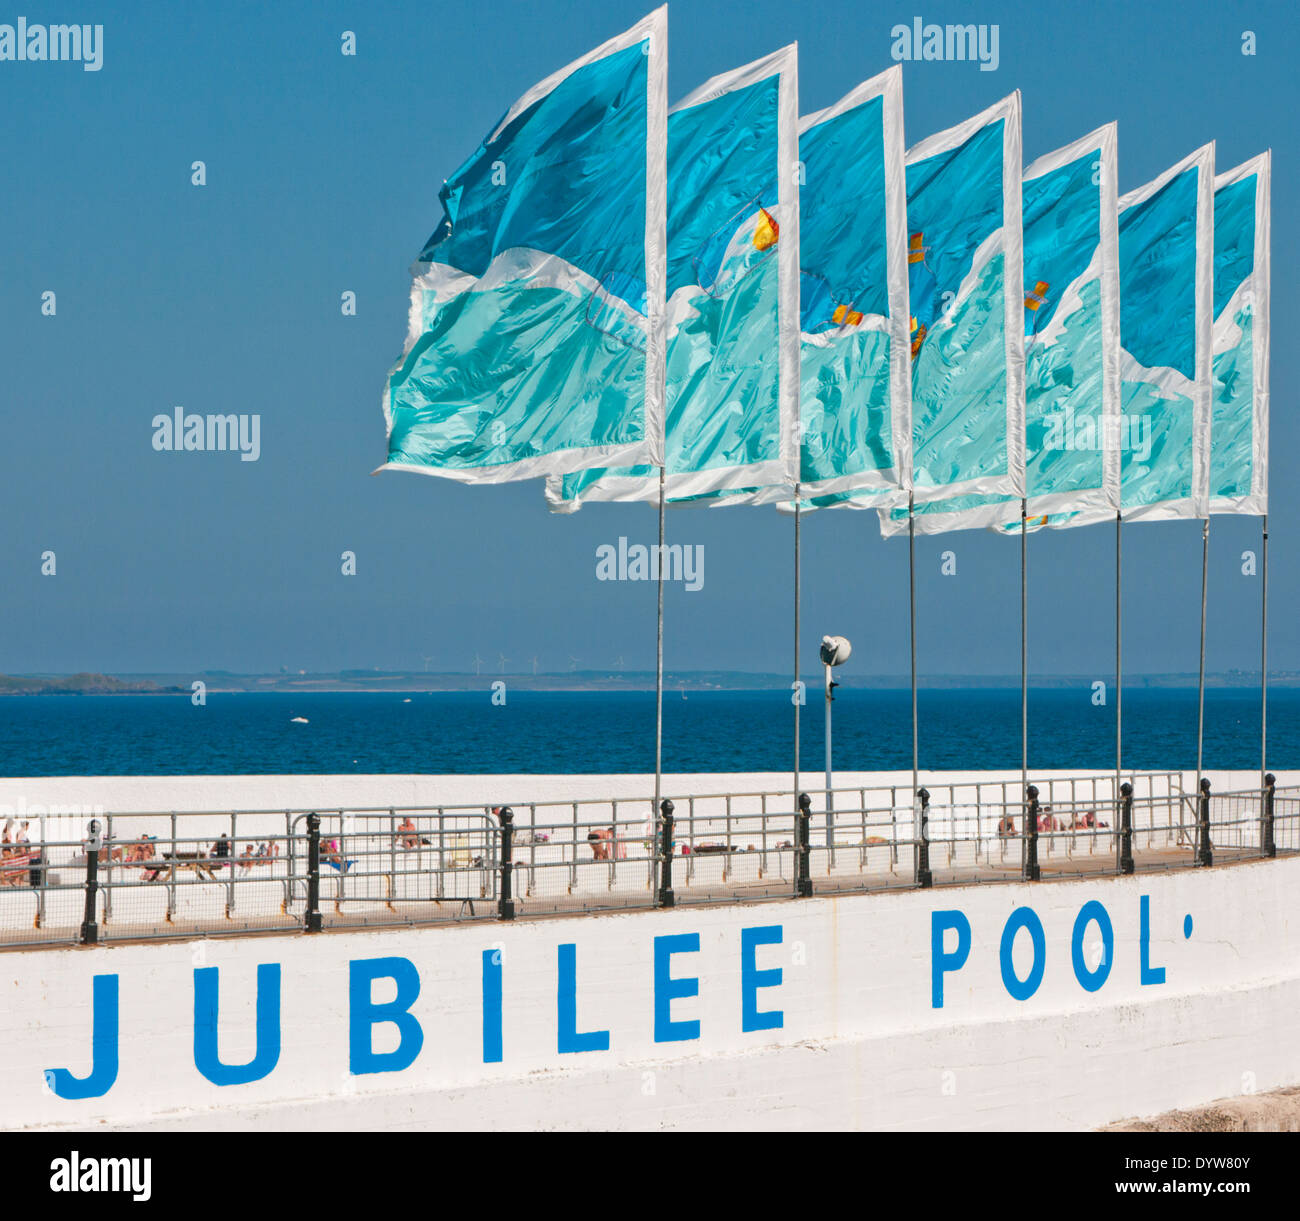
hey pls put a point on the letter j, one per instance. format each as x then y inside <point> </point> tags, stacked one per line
<point>103,1042</point>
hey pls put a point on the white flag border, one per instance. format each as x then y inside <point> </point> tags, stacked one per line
<point>1255,503</point>
<point>653,30</point>
<point>1093,501</point>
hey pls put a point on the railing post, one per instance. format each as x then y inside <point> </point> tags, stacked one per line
<point>89,928</point>
<point>1266,838</point>
<point>232,865</point>
<point>1126,828</point>
<point>507,904</point>
<point>1204,852</point>
<point>803,872</point>
<point>312,921</point>
<point>392,855</point>
<point>666,897</point>
<point>171,873</point>
<point>108,869</point>
<point>1030,871</point>
<point>924,878</point>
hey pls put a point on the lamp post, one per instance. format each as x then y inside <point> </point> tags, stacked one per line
<point>835,651</point>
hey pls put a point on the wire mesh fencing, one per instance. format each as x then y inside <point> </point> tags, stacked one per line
<point>142,876</point>
<point>396,866</point>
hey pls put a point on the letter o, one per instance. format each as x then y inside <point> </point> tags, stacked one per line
<point>1023,917</point>
<point>1090,911</point>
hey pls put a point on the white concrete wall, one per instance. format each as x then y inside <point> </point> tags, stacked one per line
<point>861,1043</point>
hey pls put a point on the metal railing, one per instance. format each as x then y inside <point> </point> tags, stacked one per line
<point>158,875</point>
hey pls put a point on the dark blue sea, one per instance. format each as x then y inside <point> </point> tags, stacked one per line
<point>605,732</point>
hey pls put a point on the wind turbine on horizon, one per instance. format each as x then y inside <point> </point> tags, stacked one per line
<point>534,667</point>
<point>573,662</point>
<point>503,659</point>
<point>478,663</point>
<point>427,660</point>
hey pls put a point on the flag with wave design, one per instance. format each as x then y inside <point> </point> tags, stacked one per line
<point>1239,404</point>
<point>534,341</point>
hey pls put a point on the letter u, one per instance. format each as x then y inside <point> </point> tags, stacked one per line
<point>207,1058</point>
<point>103,1043</point>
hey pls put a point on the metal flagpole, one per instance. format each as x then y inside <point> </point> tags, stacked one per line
<point>1024,651</point>
<point>911,586</point>
<point>1263,664</point>
<point>1119,662</point>
<point>659,658</point>
<point>1200,683</point>
<point>798,694</point>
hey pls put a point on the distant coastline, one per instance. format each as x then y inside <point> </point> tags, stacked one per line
<point>81,684</point>
<point>407,682</point>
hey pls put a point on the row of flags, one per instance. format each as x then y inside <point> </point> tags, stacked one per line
<point>781,311</point>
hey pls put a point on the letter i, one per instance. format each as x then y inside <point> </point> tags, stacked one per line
<point>492,1041</point>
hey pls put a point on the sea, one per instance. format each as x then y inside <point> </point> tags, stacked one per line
<point>602,732</point>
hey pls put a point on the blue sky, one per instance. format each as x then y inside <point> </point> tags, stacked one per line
<point>322,177</point>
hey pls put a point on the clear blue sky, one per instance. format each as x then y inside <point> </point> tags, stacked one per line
<point>323,173</point>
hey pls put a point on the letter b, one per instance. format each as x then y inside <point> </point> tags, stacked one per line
<point>365,1014</point>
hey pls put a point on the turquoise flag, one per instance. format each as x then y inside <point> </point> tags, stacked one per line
<point>965,263</point>
<point>1239,423</point>
<point>1072,348</point>
<point>855,382</point>
<point>534,343</point>
<point>732,312</point>
<point>1166,258</point>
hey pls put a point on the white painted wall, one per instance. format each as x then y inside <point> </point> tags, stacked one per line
<point>861,1044</point>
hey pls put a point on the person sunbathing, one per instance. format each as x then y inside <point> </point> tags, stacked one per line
<point>1047,821</point>
<point>1088,822</point>
<point>600,842</point>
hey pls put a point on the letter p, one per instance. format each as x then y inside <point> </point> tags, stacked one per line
<point>941,960</point>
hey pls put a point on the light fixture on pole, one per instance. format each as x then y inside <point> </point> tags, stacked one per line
<point>835,651</point>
